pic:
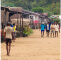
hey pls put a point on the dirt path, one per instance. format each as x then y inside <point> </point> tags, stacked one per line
<point>33,48</point>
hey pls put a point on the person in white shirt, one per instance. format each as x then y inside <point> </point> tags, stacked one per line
<point>48,29</point>
<point>56,29</point>
<point>8,36</point>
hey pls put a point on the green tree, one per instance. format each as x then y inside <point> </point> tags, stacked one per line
<point>48,6</point>
<point>37,9</point>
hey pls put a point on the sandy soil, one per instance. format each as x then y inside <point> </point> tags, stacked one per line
<point>33,47</point>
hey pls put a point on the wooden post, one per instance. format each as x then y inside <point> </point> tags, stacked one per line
<point>17,21</point>
<point>4,20</point>
<point>9,16</point>
<point>28,28</point>
<point>22,24</point>
<point>38,25</point>
<point>35,25</point>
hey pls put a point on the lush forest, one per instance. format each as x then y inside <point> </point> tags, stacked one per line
<point>46,6</point>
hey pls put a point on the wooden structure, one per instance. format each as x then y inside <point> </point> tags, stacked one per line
<point>4,19</point>
<point>16,16</point>
<point>34,18</point>
<point>4,16</point>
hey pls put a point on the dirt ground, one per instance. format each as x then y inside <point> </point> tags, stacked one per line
<point>33,47</point>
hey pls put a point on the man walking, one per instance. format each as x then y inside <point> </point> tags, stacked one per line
<point>46,20</point>
<point>8,36</point>
<point>48,29</point>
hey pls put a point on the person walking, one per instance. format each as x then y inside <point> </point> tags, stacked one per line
<point>46,20</point>
<point>14,32</point>
<point>42,29</point>
<point>52,29</point>
<point>56,29</point>
<point>8,36</point>
<point>48,29</point>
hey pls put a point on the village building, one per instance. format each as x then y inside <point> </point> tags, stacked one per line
<point>16,14</point>
<point>16,17</point>
<point>4,16</point>
<point>34,22</point>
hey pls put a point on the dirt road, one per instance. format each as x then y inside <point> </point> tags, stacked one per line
<point>33,47</point>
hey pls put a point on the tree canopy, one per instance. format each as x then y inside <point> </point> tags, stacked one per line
<point>37,9</point>
<point>48,6</point>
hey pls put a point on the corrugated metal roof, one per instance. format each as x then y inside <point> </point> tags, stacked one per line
<point>30,12</point>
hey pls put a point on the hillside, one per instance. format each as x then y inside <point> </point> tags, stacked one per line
<point>49,6</point>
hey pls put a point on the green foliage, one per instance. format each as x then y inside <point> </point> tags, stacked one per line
<point>8,4</point>
<point>37,9</point>
<point>26,31</point>
<point>55,20</point>
<point>48,6</point>
<point>55,8</point>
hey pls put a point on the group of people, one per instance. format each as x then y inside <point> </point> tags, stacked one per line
<point>9,32</point>
<point>52,28</point>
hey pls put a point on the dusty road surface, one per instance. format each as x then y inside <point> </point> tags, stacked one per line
<point>33,48</point>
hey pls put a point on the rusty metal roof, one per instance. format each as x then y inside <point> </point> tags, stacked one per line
<point>30,12</point>
<point>2,8</point>
<point>16,9</point>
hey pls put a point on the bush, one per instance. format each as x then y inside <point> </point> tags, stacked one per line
<point>55,20</point>
<point>26,31</point>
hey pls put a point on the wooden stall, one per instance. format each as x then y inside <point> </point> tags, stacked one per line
<point>4,19</point>
<point>16,17</point>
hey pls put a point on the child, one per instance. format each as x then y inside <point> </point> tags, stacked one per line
<point>42,29</point>
<point>14,30</point>
<point>48,29</point>
<point>56,29</point>
<point>52,29</point>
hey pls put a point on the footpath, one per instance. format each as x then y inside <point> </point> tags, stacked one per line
<point>33,47</point>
